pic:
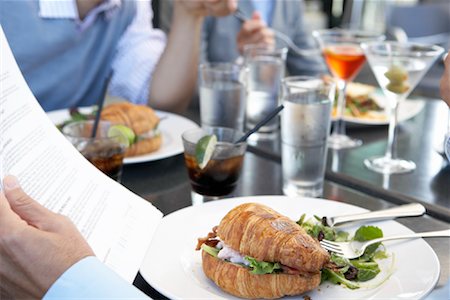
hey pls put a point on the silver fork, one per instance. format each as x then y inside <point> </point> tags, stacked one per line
<point>238,14</point>
<point>355,249</point>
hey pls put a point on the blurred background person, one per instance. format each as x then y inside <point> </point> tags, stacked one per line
<point>66,49</point>
<point>223,38</point>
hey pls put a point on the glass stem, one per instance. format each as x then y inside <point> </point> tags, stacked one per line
<point>339,126</point>
<point>392,128</point>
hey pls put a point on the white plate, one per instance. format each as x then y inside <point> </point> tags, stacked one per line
<point>171,126</point>
<point>406,110</point>
<point>173,267</point>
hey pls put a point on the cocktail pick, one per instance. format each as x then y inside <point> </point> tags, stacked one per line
<point>260,124</point>
<point>101,101</point>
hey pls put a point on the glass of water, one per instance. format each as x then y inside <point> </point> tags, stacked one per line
<point>222,95</point>
<point>305,126</point>
<point>266,68</point>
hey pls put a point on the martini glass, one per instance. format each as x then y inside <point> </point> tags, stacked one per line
<point>345,58</point>
<point>398,67</point>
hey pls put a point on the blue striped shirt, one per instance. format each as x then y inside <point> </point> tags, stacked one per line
<point>137,52</point>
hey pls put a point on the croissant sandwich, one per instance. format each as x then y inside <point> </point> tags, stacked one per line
<point>256,252</point>
<point>142,120</point>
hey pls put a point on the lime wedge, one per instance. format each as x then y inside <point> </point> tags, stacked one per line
<point>124,134</point>
<point>205,149</point>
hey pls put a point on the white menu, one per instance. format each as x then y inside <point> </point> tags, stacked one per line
<point>117,224</point>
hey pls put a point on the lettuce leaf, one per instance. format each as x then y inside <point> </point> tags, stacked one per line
<point>333,277</point>
<point>262,267</point>
<point>258,267</point>
<point>367,274</point>
<point>367,233</point>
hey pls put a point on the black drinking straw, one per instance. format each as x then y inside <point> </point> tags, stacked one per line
<point>260,124</point>
<point>101,101</point>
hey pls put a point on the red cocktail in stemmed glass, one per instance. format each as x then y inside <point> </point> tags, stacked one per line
<point>345,58</point>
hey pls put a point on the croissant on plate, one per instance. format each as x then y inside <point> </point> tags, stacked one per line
<point>257,231</point>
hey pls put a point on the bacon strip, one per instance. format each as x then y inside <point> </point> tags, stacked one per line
<point>209,240</point>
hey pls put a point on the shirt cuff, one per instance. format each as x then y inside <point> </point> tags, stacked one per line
<point>91,279</point>
<point>61,9</point>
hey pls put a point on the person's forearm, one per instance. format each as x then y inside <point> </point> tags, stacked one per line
<point>175,76</point>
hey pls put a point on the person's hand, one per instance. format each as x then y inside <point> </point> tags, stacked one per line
<point>216,8</point>
<point>254,31</point>
<point>36,245</point>
<point>445,81</point>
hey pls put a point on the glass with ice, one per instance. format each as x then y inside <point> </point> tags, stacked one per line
<point>266,68</point>
<point>105,151</point>
<point>213,161</point>
<point>305,126</point>
<point>222,95</point>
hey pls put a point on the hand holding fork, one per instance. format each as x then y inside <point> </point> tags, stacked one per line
<point>238,14</point>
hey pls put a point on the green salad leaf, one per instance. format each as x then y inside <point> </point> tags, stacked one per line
<point>341,236</point>
<point>316,229</point>
<point>347,272</point>
<point>262,267</point>
<point>367,233</point>
<point>76,115</point>
<point>380,254</point>
<point>337,278</point>
<point>367,274</point>
<point>257,267</point>
<point>339,260</point>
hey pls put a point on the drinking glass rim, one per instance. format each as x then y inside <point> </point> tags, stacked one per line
<point>289,81</point>
<point>281,50</point>
<point>235,132</point>
<point>83,138</point>
<point>305,78</point>
<point>358,35</point>
<point>225,67</point>
<point>432,49</point>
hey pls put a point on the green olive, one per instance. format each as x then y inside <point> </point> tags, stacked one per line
<point>396,74</point>
<point>398,88</point>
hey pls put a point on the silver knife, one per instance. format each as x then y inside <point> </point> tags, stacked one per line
<point>407,210</point>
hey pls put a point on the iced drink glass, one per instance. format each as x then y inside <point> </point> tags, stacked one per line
<point>266,68</point>
<point>220,175</point>
<point>222,95</point>
<point>103,151</point>
<point>305,126</point>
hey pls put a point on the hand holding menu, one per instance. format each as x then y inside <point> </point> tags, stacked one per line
<point>116,223</point>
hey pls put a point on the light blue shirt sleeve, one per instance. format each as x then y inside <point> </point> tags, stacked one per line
<point>91,279</point>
